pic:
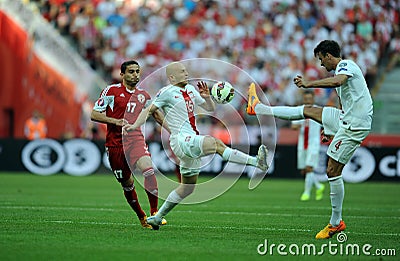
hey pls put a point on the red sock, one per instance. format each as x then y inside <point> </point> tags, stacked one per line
<point>131,197</point>
<point>151,187</point>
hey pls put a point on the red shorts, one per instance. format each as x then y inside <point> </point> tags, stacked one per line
<point>123,159</point>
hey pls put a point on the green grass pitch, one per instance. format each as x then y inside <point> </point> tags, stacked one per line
<point>61,217</point>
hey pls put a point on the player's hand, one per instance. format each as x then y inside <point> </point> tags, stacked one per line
<point>203,89</point>
<point>325,138</point>
<point>127,128</point>
<point>300,82</point>
<point>121,122</point>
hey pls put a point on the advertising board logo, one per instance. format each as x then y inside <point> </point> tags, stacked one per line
<point>43,157</point>
<point>77,157</point>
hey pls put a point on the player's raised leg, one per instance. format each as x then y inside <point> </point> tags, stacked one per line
<point>213,145</point>
<point>255,107</point>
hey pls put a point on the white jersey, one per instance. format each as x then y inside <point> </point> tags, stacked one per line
<point>309,135</point>
<point>178,105</point>
<point>355,97</point>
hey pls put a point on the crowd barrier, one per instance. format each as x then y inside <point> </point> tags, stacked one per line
<point>81,157</point>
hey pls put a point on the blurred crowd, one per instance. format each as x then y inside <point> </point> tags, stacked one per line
<point>272,40</point>
<point>262,37</point>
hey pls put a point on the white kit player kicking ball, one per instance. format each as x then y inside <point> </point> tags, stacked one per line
<point>178,102</point>
<point>350,126</point>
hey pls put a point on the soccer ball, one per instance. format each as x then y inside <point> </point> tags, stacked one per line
<point>222,92</point>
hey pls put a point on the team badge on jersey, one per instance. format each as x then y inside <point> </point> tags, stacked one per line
<point>141,98</point>
<point>342,67</point>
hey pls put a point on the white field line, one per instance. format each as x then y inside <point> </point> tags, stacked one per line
<point>305,207</point>
<point>195,212</point>
<point>200,212</point>
<point>201,227</point>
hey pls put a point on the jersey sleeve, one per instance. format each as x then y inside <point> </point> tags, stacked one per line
<point>161,98</point>
<point>105,100</point>
<point>344,67</point>
<point>148,99</point>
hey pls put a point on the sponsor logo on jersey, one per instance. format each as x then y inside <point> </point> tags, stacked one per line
<point>342,69</point>
<point>122,95</point>
<point>100,102</point>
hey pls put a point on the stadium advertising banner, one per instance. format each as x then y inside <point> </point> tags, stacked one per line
<point>81,157</point>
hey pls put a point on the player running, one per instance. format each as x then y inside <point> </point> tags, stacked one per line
<point>350,126</point>
<point>116,101</point>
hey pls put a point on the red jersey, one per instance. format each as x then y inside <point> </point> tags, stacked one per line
<point>118,102</point>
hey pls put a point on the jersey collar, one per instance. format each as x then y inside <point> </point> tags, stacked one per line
<point>126,88</point>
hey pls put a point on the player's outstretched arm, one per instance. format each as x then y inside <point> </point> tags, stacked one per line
<point>330,82</point>
<point>159,117</point>
<point>103,118</point>
<point>141,119</point>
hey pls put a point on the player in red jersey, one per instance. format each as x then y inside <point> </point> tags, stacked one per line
<point>119,104</point>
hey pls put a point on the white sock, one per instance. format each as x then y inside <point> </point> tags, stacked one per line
<point>337,196</point>
<point>308,182</point>
<point>172,200</point>
<point>237,156</point>
<point>282,112</point>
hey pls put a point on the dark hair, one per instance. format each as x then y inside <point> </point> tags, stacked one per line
<point>327,46</point>
<point>126,64</point>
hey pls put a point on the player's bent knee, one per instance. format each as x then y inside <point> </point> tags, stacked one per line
<point>210,145</point>
<point>330,172</point>
<point>333,171</point>
<point>187,189</point>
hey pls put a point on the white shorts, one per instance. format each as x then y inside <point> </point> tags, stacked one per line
<point>331,120</point>
<point>189,150</point>
<point>345,141</point>
<point>307,158</point>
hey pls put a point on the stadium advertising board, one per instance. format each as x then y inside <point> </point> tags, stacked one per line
<point>81,157</point>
